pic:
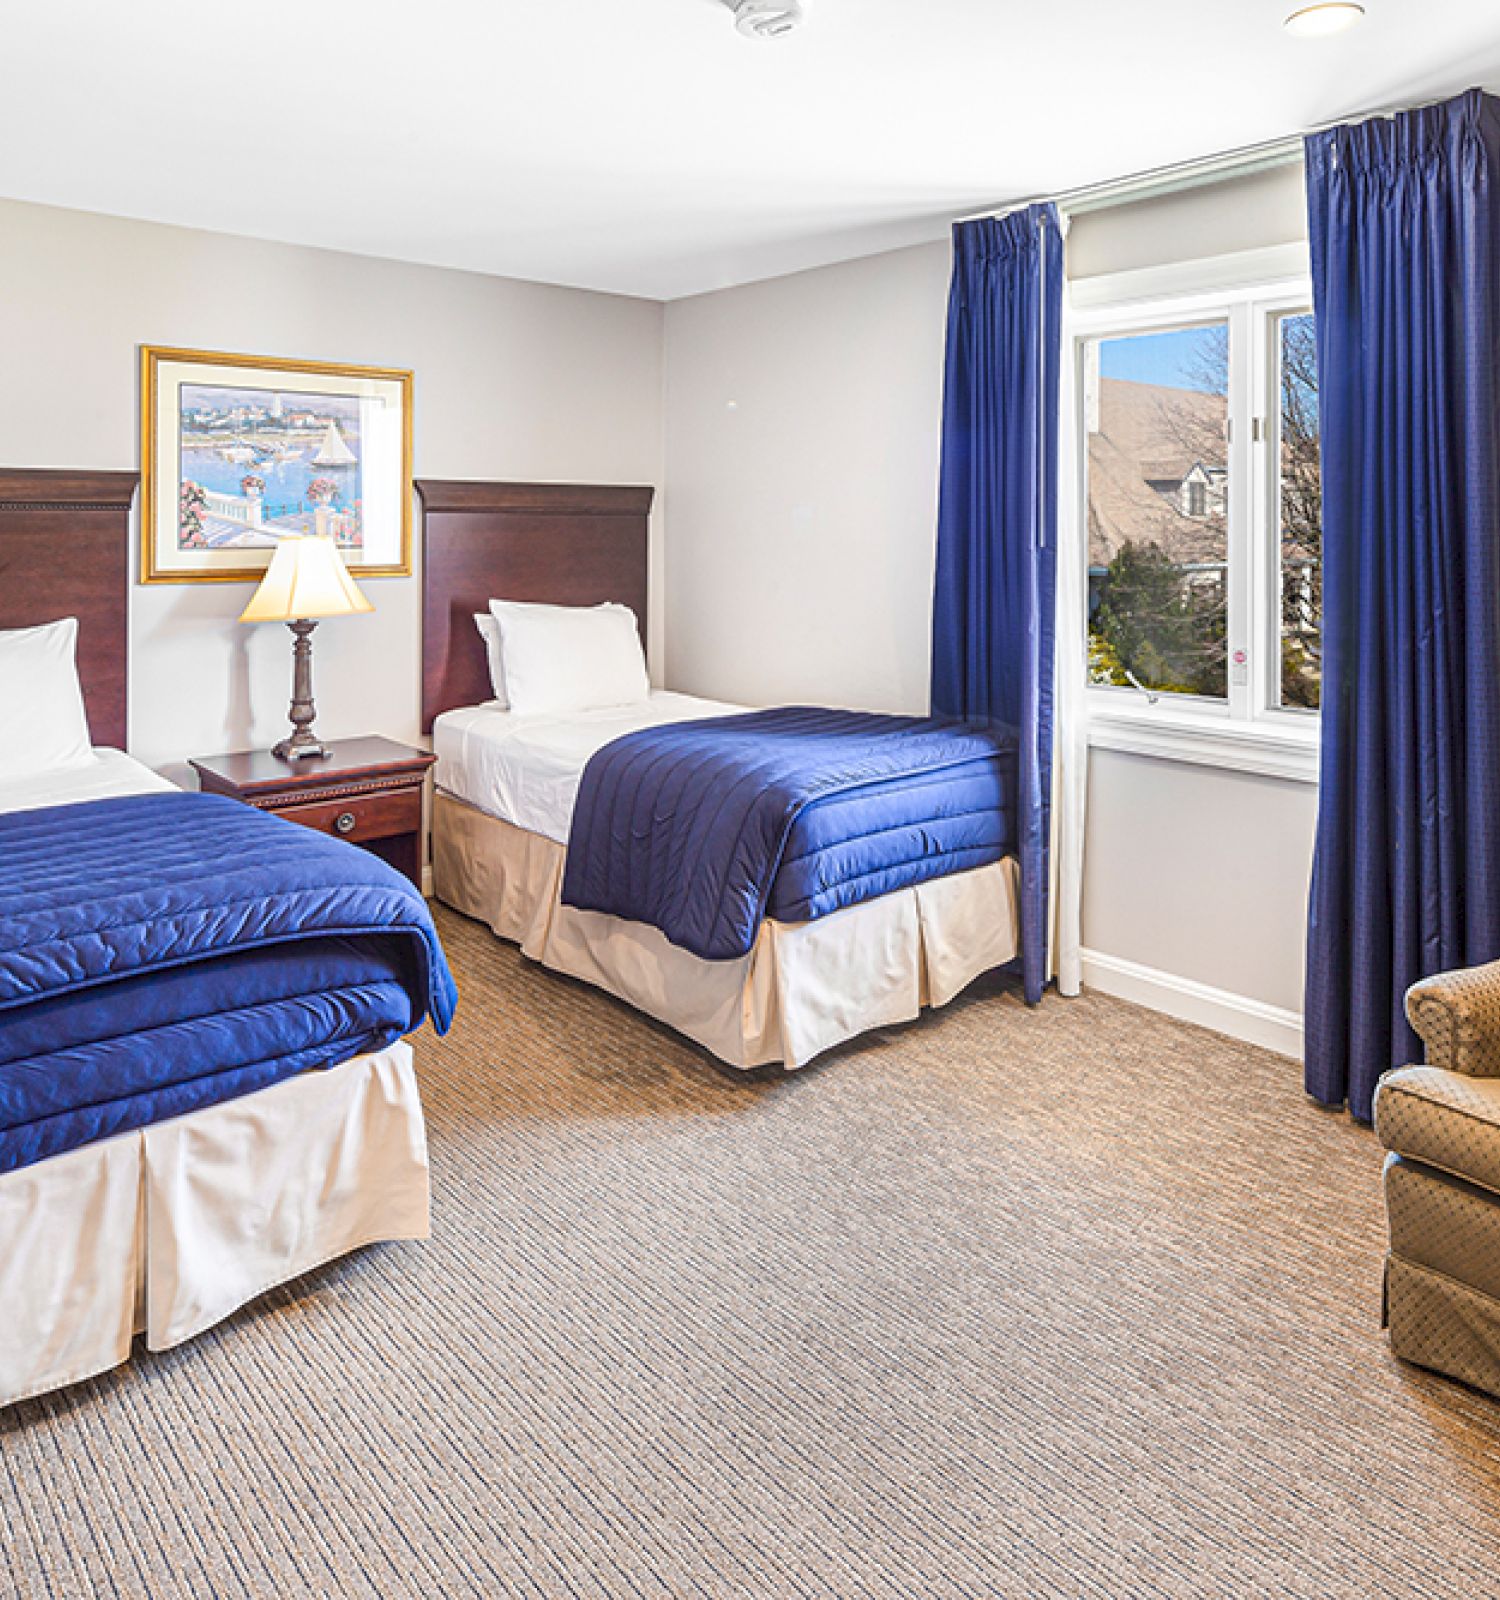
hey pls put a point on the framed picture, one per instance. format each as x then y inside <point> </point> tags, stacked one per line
<point>240,452</point>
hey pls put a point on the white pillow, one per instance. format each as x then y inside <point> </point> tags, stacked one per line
<point>489,631</point>
<point>570,658</point>
<point>43,727</point>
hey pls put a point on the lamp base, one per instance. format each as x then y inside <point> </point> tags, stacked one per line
<point>302,743</point>
<point>301,746</point>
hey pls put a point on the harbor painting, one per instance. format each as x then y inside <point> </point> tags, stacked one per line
<point>257,465</point>
<point>241,452</point>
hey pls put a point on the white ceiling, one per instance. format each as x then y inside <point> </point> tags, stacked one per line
<point>642,146</point>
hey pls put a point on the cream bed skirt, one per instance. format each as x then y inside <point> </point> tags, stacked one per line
<point>168,1229</point>
<point>804,988</point>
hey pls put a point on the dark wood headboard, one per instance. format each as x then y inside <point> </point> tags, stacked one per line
<point>65,552</point>
<point>563,544</point>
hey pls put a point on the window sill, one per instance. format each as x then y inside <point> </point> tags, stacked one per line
<point>1272,750</point>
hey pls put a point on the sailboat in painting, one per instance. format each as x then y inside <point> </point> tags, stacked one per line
<point>333,452</point>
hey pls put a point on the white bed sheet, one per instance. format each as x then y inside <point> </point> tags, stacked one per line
<point>525,769</point>
<point>112,774</point>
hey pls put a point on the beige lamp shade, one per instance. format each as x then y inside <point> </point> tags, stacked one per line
<point>307,579</point>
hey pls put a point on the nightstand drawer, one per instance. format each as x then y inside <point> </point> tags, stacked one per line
<point>366,816</point>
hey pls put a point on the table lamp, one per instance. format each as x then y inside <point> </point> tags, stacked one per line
<point>306,581</point>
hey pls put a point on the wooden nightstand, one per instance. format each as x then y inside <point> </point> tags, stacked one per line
<point>369,791</point>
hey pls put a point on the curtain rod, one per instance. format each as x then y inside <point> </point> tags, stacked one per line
<point>1179,176</point>
<point>1159,181</point>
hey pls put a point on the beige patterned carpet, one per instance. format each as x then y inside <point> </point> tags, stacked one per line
<point>1077,1302</point>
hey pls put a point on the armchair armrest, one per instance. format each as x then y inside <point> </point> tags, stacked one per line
<point>1457,1015</point>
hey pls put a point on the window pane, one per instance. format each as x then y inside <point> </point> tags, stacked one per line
<point>1300,503</point>
<point>1158,500</point>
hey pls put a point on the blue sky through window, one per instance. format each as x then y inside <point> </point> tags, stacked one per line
<point>1182,358</point>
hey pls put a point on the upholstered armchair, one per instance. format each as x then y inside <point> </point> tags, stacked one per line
<point>1441,1124</point>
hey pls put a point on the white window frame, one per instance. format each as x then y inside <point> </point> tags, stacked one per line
<point>1249,731</point>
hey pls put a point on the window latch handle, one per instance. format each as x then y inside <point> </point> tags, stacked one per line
<point>1151,695</point>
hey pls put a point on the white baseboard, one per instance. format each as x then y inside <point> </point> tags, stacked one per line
<point>1271,1027</point>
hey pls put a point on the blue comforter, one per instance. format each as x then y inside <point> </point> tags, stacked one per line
<point>163,952</point>
<point>704,828</point>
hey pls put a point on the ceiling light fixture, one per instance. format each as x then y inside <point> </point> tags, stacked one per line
<point>1329,16</point>
<point>766,19</point>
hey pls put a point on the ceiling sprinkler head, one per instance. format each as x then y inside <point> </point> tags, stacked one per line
<point>766,19</point>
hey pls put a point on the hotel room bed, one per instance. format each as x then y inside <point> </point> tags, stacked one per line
<point>506,786</point>
<point>178,1220</point>
<point>173,968</point>
<point>806,977</point>
<point>152,1179</point>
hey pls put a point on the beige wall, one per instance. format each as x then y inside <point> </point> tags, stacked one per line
<point>1199,873</point>
<point>513,380</point>
<point>1252,213</point>
<point>802,452</point>
<point>802,483</point>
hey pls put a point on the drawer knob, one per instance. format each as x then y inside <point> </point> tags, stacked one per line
<point>344,822</point>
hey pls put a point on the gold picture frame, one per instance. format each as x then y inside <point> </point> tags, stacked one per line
<point>240,451</point>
